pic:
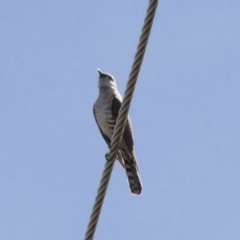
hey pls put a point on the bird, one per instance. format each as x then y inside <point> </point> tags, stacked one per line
<point>105,110</point>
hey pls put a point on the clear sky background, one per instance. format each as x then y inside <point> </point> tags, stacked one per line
<point>185,114</point>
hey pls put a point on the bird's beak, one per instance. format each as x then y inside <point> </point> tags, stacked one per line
<point>100,73</point>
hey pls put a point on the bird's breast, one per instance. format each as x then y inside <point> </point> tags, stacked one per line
<point>106,121</point>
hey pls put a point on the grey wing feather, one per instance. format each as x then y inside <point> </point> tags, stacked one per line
<point>128,135</point>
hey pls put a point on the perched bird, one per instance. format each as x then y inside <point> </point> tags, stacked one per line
<point>106,110</point>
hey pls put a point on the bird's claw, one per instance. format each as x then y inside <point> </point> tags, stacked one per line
<point>106,156</point>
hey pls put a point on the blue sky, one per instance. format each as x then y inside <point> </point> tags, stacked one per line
<point>185,115</point>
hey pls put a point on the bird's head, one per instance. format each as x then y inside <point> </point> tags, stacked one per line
<point>106,80</point>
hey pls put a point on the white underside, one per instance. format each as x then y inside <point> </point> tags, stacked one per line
<point>102,117</point>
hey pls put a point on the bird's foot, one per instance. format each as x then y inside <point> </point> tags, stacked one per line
<point>106,156</point>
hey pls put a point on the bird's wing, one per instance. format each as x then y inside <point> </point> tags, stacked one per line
<point>127,152</point>
<point>107,140</point>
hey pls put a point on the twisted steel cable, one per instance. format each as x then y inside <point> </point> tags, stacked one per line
<point>122,118</point>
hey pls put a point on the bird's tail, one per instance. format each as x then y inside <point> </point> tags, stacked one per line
<point>134,180</point>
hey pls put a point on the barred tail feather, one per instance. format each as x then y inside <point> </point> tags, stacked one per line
<point>133,178</point>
